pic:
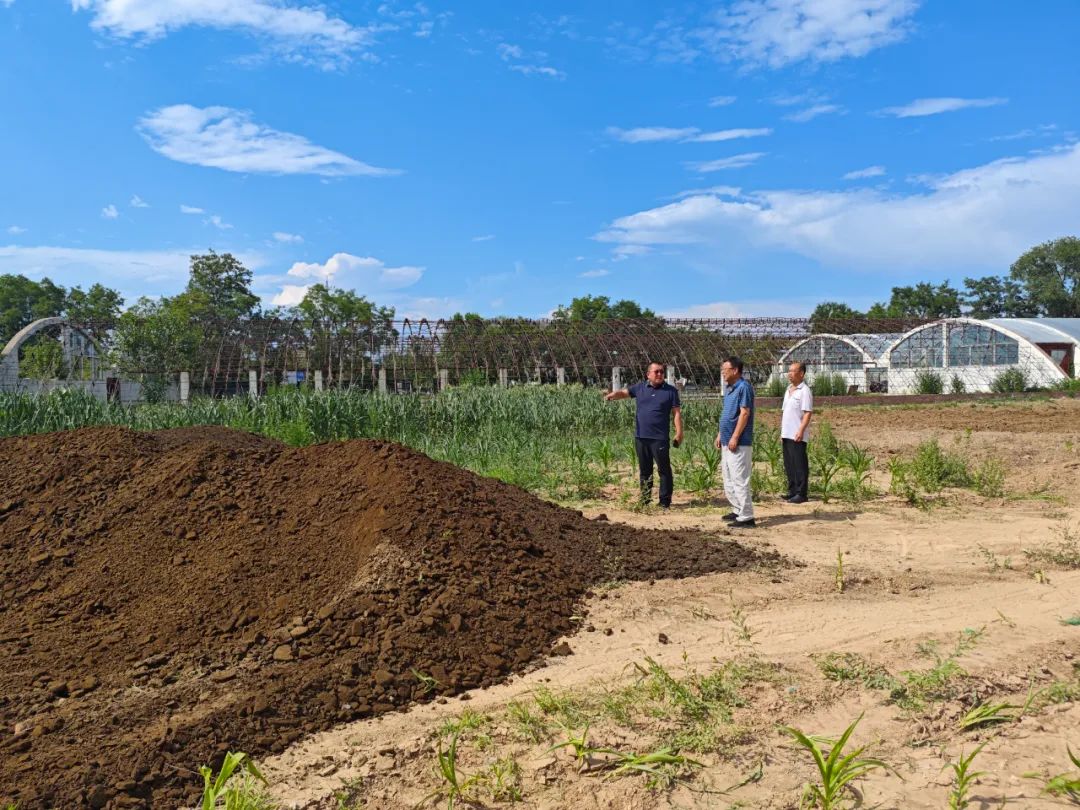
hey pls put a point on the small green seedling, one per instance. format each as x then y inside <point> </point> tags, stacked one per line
<point>965,778</point>
<point>836,769</point>
<point>988,714</point>
<point>1066,785</point>
<point>217,793</point>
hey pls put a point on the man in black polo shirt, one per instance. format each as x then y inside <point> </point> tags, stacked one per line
<point>656,402</point>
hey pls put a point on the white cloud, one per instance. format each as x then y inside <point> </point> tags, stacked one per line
<point>753,308</point>
<point>730,135</point>
<point>682,134</point>
<point>138,202</point>
<point>720,191</point>
<point>782,32</point>
<point>733,162</point>
<point>365,274</point>
<point>623,252</point>
<point>810,113</point>
<point>651,134</point>
<point>485,238</point>
<point>721,101</point>
<point>15,230</point>
<point>600,272</point>
<point>190,209</point>
<point>133,272</point>
<point>288,238</point>
<point>869,171</point>
<point>528,63</point>
<point>935,106</point>
<point>228,139</point>
<point>301,32</point>
<point>1043,130</point>
<point>109,212</point>
<point>979,218</point>
<point>217,222</point>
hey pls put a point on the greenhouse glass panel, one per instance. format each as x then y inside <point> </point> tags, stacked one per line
<point>924,349</point>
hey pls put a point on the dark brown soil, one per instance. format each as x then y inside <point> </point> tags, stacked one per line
<point>168,597</point>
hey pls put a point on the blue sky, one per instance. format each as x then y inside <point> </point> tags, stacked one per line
<point>750,157</point>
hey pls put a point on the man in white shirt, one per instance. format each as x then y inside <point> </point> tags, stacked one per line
<point>795,430</point>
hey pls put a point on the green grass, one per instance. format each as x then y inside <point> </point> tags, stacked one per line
<point>238,785</point>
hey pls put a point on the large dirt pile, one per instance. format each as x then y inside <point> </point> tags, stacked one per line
<point>166,597</point>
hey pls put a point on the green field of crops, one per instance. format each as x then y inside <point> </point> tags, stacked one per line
<point>564,443</point>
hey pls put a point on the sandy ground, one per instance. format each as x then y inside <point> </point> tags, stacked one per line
<point>909,576</point>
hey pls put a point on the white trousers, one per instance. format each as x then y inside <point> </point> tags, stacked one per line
<point>737,466</point>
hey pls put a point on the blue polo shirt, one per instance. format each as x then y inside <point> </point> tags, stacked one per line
<point>654,409</point>
<point>738,396</point>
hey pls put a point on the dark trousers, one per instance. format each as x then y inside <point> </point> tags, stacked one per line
<point>649,451</point>
<point>797,467</point>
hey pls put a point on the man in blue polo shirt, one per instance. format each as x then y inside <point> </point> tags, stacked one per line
<point>656,403</point>
<point>735,441</point>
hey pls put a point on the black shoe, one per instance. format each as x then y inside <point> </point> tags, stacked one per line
<point>665,506</point>
<point>786,497</point>
<point>744,524</point>
<point>797,499</point>
<point>730,517</point>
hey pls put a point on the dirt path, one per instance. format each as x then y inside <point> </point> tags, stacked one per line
<point>909,577</point>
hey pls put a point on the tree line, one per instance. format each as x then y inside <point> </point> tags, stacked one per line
<point>1043,282</point>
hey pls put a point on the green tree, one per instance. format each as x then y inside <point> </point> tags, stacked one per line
<point>837,318</point>
<point>995,297</point>
<point>599,307</point>
<point>23,301</point>
<point>98,308</point>
<point>924,300</point>
<point>345,328</point>
<point>1050,277</point>
<point>219,288</point>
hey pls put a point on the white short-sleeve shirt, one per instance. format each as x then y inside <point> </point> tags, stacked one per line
<point>797,401</point>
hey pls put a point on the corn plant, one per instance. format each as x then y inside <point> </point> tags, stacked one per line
<point>660,766</point>
<point>1066,785</point>
<point>987,714</point>
<point>455,785</point>
<point>963,778</point>
<point>836,770</point>
<point>218,793</point>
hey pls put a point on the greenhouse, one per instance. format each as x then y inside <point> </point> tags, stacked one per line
<point>855,358</point>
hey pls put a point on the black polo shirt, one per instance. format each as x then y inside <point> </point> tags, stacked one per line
<point>654,409</point>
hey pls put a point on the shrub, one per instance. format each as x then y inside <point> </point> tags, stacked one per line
<point>829,385</point>
<point>929,382</point>
<point>775,387</point>
<point>1011,380</point>
<point>957,386</point>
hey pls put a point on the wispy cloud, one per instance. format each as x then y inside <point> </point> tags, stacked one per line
<point>921,107</point>
<point>528,63</point>
<point>109,212</point>
<point>133,272</point>
<point>733,162</point>
<point>599,272</point>
<point>976,219</point>
<point>869,171</point>
<point>721,101</point>
<point>15,230</point>
<point>719,191</point>
<point>777,33</point>
<point>190,209</point>
<point>287,238</point>
<point>225,138</point>
<point>303,32</point>
<point>217,222</point>
<point>683,134</point>
<point>810,113</point>
<point>485,238</point>
<point>364,274</point>
<point>651,134</point>
<point>1044,130</point>
<point>138,202</point>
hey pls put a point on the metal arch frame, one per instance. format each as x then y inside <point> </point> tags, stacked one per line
<point>9,356</point>
<point>867,357</point>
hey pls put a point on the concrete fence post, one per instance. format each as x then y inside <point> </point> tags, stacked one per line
<point>253,383</point>
<point>444,379</point>
<point>670,374</point>
<point>560,376</point>
<point>318,379</point>
<point>382,380</point>
<point>185,388</point>
<point>616,378</point>
<point>504,378</point>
